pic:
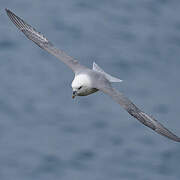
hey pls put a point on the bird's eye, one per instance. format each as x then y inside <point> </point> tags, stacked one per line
<point>79,87</point>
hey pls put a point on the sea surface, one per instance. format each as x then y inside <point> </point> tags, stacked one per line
<point>46,135</point>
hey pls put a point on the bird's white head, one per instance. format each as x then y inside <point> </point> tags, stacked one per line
<point>80,85</point>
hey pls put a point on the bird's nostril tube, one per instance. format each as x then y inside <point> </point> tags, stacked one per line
<point>74,92</point>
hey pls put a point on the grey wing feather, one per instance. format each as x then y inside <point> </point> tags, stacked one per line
<point>43,42</point>
<point>137,113</point>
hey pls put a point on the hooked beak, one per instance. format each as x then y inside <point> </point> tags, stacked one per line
<point>74,94</point>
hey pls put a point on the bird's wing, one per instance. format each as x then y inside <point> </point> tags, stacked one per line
<point>43,42</point>
<point>137,113</point>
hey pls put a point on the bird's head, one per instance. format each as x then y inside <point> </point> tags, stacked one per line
<point>80,84</point>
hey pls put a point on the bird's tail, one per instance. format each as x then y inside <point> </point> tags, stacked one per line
<point>108,76</point>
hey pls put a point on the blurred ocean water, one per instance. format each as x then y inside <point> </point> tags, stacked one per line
<point>44,134</point>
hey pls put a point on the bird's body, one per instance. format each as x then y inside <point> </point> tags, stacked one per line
<point>85,81</point>
<point>88,81</point>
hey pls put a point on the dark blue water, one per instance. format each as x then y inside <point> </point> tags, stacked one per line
<point>44,134</point>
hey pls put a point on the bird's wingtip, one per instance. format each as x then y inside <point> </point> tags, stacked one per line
<point>7,10</point>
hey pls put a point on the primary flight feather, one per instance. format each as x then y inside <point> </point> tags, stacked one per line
<point>88,81</point>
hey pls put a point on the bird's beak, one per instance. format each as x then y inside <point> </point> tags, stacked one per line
<point>74,94</point>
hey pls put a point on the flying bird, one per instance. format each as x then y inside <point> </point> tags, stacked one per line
<point>87,81</point>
